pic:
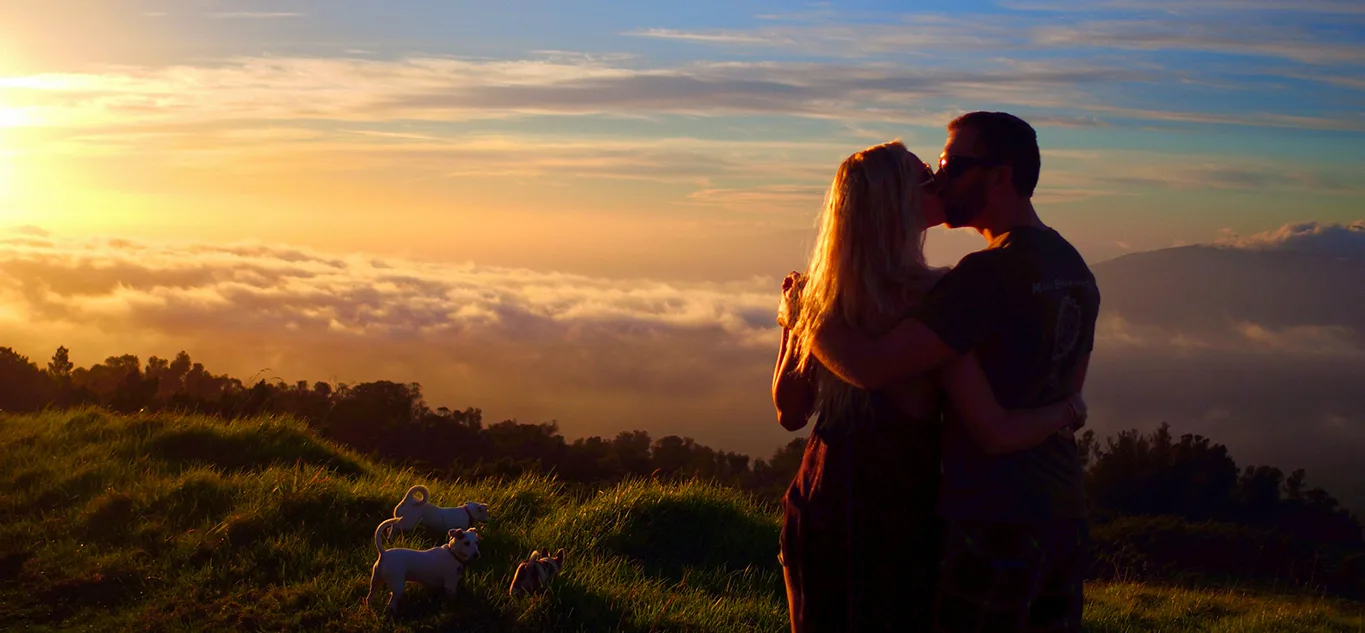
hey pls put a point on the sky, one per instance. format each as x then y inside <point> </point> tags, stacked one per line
<point>583,212</point>
<point>623,140</point>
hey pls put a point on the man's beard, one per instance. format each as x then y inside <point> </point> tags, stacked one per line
<point>959,214</point>
<point>960,210</point>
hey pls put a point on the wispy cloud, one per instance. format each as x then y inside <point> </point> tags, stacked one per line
<point>1255,28</point>
<point>455,89</point>
<point>713,37</point>
<point>253,15</point>
<point>1185,7</point>
<point>1221,37</point>
<point>1308,33</point>
<point>763,199</point>
<point>921,35</point>
<point>1126,171</point>
<point>252,151</point>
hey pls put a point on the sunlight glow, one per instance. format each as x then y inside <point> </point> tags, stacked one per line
<point>6,172</point>
<point>9,118</point>
<point>6,168</point>
<point>12,117</point>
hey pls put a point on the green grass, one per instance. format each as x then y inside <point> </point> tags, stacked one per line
<point>1135,608</point>
<point>165,523</point>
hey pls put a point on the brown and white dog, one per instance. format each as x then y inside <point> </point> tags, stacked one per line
<point>534,573</point>
<point>436,567</point>
<point>415,510</point>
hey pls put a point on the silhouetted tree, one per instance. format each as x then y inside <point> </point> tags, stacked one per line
<point>23,387</point>
<point>632,450</point>
<point>60,366</point>
<point>1197,480</point>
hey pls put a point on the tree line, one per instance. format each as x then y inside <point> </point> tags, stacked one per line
<point>1190,479</point>
<point>385,419</point>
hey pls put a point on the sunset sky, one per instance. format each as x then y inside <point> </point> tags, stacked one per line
<point>581,212</point>
<point>623,139</point>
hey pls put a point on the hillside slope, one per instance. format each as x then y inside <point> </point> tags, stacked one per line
<point>161,523</point>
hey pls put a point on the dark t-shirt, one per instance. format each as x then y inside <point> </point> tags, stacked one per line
<point>1027,305</point>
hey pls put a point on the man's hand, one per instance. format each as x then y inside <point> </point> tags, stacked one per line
<point>1079,412</point>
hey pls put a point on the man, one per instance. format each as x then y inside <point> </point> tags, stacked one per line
<point>1014,524</point>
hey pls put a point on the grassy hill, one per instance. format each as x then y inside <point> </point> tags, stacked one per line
<point>159,523</point>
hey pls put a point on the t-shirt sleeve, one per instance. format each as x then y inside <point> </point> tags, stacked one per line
<point>1088,344</point>
<point>963,306</point>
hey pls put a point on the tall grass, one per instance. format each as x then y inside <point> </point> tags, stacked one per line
<point>182,523</point>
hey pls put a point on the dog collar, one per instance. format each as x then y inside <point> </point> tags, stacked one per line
<point>453,554</point>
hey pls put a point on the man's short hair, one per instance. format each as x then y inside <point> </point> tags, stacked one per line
<point>1006,138</point>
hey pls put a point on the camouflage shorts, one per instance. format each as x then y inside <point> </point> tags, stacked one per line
<point>1008,577</point>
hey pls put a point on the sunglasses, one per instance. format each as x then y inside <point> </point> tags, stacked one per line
<point>928,182</point>
<point>951,166</point>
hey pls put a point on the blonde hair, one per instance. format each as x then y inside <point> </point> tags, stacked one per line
<point>868,264</point>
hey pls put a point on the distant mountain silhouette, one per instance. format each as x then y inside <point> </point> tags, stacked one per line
<point>1260,344</point>
<point>1203,288</point>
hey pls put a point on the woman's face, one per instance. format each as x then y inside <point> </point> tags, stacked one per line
<point>931,204</point>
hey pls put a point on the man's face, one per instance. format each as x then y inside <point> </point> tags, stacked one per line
<point>963,190</point>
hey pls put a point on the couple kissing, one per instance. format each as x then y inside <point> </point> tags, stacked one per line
<point>941,487</point>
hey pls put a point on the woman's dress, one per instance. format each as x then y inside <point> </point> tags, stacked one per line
<point>858,541</point>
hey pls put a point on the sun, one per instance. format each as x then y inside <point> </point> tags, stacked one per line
<point>12,117</point>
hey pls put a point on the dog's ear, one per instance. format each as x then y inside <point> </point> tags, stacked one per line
<point>535,555</point>
<point>455,533</point>
<point>559,555</point>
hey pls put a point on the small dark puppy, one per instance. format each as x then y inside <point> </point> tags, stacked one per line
<point>534,573</point>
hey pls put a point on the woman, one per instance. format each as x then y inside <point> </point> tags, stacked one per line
<point>857,541</point>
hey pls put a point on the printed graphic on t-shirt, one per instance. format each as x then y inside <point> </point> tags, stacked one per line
<point>1068,328</point>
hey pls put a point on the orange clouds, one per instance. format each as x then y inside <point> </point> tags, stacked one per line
<point>600,355</point>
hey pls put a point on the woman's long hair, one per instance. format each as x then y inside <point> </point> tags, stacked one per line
<point>868,264</point>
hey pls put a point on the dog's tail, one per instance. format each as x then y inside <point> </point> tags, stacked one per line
<point>416,495</point>
<point>379,535</point>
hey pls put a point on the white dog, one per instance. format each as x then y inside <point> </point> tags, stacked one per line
<point>436,567</point>
<point>414,509</point>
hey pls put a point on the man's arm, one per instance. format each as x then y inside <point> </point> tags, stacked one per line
<point>1082,366</point>
<point>910,349</point>
<point>956,316</point>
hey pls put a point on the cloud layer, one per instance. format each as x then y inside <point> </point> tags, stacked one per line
<point>600,355</point>
<point>1345,240</point>
<point>605,355</point>
<point>434,88</point>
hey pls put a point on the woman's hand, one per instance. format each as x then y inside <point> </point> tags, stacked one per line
<point>793,391</point>
<point>790,307</point>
